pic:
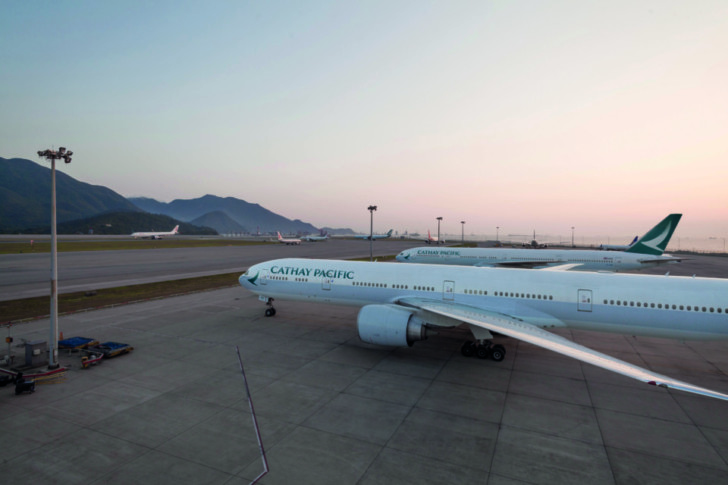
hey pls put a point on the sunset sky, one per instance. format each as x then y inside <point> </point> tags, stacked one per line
<point>605,116</point>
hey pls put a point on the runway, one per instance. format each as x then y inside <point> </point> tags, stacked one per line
<point>335,410</point>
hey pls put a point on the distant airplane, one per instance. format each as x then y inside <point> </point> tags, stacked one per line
<point>617,247</point>
<point>323,237</point>
<point>288,241</point>
<point>155,235</point>
<point>402,303</point>
<point>645,253</point>
<point>375,236</point>
<point>433,240</point>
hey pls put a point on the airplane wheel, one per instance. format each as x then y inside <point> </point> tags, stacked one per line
<point>498,353</point>
<point>482,352</point>
<point>468,349</point>
<point>269,312</point>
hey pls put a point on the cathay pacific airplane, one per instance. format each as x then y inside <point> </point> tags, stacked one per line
<point>375,236</point>
<point>645,253</point>
<point>618,247</point>
<point>402,303</point>
<point>323,237</point>
<point>155,235</point>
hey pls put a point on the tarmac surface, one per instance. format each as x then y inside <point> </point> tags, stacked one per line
<point>335,410</point>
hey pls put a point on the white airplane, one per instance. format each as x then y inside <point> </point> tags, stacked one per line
<point>155,235</point>
<point>433,240</point>
<point>375,236</point>
<point>288,241</point>
<point>401,303</point>
<point>322,237</point>
<point>645,253</point>
<point>618,247</point>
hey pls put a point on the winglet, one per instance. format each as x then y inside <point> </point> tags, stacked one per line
<point>656,239</point>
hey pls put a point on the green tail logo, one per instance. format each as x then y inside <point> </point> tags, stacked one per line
<point>656,239</point>
<point>252,280</point>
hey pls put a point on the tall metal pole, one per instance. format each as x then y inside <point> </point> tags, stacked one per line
<point>438,229</point>
<point>462,236</point>
<point>54,155</point>
<point>53,351</point>
<point>572,236</point>
<point>497,228</point>
<point>371,210</point>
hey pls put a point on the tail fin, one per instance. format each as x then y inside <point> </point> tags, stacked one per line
<point>175,230</point>
<point>633,241</point>
<point>389,233</point>
<point>279,236</point>
<point>656,239</point>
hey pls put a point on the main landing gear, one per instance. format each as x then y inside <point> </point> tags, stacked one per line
<point>484,350</point>
<point>270,311</point>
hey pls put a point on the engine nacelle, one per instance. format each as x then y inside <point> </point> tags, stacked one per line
<point>389,325</point>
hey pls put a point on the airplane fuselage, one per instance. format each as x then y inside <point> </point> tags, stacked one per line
<point>658,306</point>
<point>586,260</point>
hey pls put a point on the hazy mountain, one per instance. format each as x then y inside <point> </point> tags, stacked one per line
<point>253,217</point>
<point>343,231</point>
<point>25,196</point>
<point>221,222</point>
<point>124,223</point>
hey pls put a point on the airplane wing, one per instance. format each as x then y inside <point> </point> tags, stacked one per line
<point>522,330</point>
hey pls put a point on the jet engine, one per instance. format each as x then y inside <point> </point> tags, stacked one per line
<point>389,325</point>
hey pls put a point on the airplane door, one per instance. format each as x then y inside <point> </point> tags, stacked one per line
<point>448,290</point>
<point>263,277</point>
<point>326,284</point>
<point>584,300</point>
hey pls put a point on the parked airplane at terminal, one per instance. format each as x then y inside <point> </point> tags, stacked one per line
<point>618,247</point>
<point>645,253</point>
<point>375,236</point>
<point>155,235</point>
<point>288,241</point>
<point>401,303</point>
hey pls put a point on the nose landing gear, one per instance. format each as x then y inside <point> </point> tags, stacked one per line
<point>270,311</point>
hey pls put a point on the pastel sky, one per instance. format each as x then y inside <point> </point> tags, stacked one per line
<point>526,115</point>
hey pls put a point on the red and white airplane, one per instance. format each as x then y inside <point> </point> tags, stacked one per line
<point>433,240</point>
<point>155,235</point>
<point>287,240</point>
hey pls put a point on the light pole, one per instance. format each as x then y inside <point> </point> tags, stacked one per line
<point>462,236</point>
<point>497,228</point>
<point>371,210</point>
<point>572,236</point>
<point>438,229</point>
<point>53,155</point>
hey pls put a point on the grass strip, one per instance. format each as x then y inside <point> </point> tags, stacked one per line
<point>38,307</point>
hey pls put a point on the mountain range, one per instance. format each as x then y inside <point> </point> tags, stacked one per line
<point>25,196</point>
<point>25,188</point>
<point>226,214</point>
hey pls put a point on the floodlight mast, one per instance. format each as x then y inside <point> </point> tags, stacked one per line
<point>54,155</point>
<point>371,210</point>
